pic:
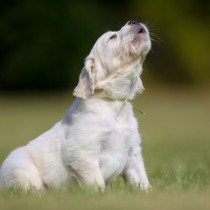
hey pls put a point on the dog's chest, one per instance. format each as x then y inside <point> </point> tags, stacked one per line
<point>114,149</point>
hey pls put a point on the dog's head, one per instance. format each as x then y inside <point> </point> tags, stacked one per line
<point>115,52</point>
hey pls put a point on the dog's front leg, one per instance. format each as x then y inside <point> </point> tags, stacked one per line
<point>87,173</point>
<point>135,173</point>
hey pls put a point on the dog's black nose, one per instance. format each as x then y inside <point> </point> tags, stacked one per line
<point>133,22</point>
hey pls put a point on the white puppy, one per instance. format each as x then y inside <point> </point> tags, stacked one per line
<point>98,139</point>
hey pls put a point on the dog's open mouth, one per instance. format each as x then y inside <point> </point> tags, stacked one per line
<point>141,30</point>
<point>141,35</point>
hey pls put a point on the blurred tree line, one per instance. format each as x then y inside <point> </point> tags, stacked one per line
<point>43,42</point>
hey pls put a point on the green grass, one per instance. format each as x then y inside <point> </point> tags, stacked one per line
<point>176,144</point>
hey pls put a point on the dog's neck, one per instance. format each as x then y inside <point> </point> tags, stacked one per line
<point>122,84</point>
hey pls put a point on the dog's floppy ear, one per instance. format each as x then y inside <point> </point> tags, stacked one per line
<point>87,78</point>
<point>140,87</point>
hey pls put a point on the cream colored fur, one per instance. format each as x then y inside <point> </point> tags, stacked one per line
<point>97,140</point>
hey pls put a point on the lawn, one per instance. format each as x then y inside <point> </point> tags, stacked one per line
<point>176,144</point>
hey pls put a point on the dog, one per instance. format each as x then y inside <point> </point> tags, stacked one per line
<point>98,139</point>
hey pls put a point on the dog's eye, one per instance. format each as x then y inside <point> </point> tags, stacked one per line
<point>113,36</point>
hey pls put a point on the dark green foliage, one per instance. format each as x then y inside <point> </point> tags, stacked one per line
<point>43,43</point>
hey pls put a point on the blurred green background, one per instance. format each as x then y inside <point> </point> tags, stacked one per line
<point>43,42</point>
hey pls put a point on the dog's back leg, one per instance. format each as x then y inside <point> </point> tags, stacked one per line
<point>19,171</point>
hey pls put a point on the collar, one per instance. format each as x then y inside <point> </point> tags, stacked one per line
<point>119,100</point>
<point>124,101</point>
